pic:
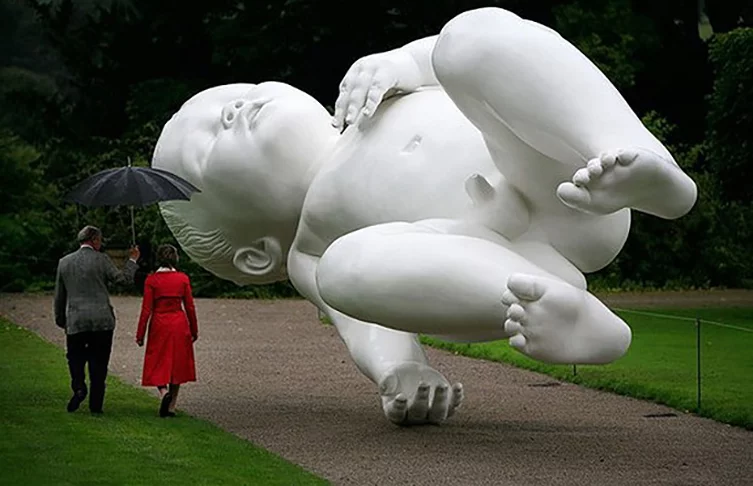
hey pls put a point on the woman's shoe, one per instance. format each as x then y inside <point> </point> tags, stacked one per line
<point>165,404</point>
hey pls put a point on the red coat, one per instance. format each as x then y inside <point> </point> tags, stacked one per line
<point>169,311</point>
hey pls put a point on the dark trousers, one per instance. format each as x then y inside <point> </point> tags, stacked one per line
<point>91,347</point>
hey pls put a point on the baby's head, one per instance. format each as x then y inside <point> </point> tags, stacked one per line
<point>252,149</point>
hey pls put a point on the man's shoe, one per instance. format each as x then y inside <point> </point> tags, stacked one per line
<point>76,400</point>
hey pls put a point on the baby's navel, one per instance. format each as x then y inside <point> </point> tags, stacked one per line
<point>412,145</point>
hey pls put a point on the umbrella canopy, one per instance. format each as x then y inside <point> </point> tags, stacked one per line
<point>131,186</point>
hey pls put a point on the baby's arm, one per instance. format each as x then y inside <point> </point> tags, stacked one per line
<point>411,391</point>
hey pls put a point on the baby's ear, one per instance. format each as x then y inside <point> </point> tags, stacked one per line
<point>263,258</point>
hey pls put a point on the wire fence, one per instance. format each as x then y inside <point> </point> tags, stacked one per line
<point>701,363</point>
<point>694,360</point>
<point>696,320</point>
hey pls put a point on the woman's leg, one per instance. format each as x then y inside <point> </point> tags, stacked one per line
<point>174,389</point>
<point>165,399</point>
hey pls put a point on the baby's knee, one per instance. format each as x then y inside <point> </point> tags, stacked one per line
<point>355,257</point>
<point>344,263</point>
<point>466,42</point>
<point>335,271</point>
<point>480,41</point>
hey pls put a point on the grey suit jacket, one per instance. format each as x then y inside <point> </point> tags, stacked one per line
<point>82,302</point>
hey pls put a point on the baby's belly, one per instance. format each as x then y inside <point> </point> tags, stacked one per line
<point>410,164</point>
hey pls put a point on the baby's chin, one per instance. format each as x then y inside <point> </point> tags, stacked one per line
<point>296,139</point>
<point>301,122</point>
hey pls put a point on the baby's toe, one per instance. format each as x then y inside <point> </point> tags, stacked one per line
<point>594,168</point>
<point>581,177</point>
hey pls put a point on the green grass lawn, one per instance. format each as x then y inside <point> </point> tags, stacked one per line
<point>41,443</point>
<point>661,364</point>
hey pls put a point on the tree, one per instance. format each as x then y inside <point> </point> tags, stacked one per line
<point>731,113</point>
<point>610,34</point>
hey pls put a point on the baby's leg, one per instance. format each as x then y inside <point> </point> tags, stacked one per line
<point>515,79</point>
<point>409,278</point>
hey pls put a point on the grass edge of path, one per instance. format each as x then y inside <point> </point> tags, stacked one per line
<point>41,443</point>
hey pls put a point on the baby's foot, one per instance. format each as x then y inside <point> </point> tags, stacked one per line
<point>552,321</point>
<point>630,178</point>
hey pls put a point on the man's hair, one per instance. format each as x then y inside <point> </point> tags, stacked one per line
<point>88,233</point>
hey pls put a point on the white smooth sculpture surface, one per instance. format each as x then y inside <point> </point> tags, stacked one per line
<point>481,173</point>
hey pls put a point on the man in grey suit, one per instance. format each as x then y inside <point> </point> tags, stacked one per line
<point>82,308</point>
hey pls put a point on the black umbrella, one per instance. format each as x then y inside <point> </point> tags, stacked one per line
<point>131,186</point>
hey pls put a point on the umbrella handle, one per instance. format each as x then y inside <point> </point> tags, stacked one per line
<point>133,229</point>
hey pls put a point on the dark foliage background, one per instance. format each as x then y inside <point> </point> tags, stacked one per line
<point>84,85</point>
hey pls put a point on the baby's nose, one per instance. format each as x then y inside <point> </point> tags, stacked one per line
<point>230,112</point>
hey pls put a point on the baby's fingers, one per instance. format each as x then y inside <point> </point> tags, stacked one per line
<point>341,105</point>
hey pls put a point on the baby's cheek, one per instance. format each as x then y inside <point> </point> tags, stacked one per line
<point>198,155</point>
<point>226,154</point>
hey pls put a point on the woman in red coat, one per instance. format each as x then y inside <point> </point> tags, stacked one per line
<point>169,313</point>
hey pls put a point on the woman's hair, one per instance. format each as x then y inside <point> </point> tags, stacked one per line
<point>167,256</point>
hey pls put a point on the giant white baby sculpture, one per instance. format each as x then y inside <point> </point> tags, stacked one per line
<point>482,172</point>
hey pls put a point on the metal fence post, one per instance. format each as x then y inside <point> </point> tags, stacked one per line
<point>698,362</point>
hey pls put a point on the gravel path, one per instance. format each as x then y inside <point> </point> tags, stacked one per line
<point>271,373</point>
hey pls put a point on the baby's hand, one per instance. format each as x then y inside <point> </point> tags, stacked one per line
<point>413,394</point>
<point>368,81</point>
